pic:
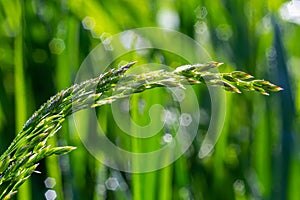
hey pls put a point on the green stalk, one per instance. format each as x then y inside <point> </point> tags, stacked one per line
<point>137,178</point>
<point>165,180</point>
<point>181,176</point>
<point>293,185</point>
<point>220,153</point>
<point>294,181</point>
<point>151,181</point>
<point>262,149</point>
<point>20,96</point>
<point>100,168</point>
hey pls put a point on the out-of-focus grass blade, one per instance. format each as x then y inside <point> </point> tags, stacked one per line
<point>287,114</point>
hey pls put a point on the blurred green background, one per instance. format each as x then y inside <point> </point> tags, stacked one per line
<point>43,43</point>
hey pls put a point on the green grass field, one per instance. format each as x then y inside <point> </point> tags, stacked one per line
<point>44,46</point>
